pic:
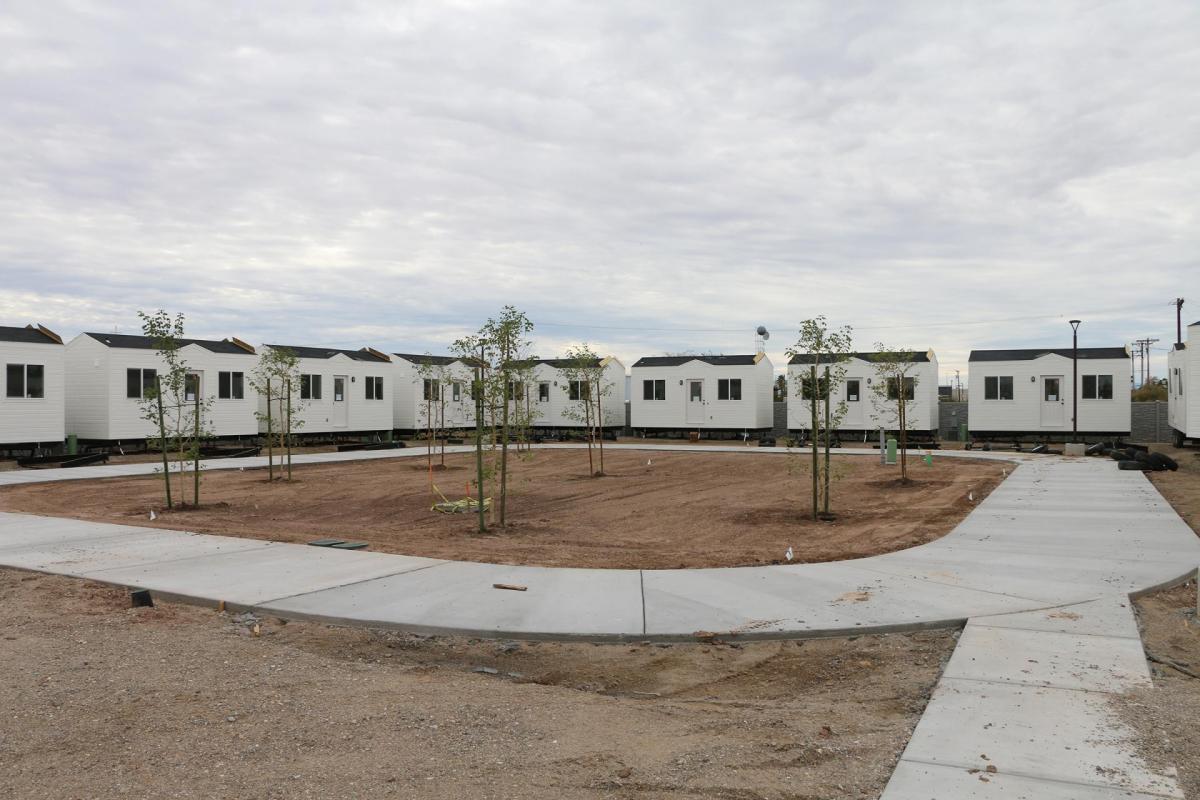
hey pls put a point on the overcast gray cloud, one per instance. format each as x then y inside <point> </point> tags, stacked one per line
<point>646,177</point>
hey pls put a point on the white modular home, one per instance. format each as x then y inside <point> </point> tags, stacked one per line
<point>866,411</point>
<point>437,387</point>
<point>1030,393</point>
<point>33,401</point>
<point>554,398</point>
<point>341,392</point>
<point>717,394</point>
<point>109,375</point>
<point>1183,387</point>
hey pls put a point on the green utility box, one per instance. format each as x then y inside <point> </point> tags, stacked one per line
<point>891,451</point>
<point>962,432</point>
<point>72,445</point>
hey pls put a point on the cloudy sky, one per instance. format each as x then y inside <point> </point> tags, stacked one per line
<point>647,177</point>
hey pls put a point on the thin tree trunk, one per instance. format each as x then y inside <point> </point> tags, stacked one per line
<point>504,450</point>
<point>162,444</point>
<point>196,451</point>
<point>828,422</point>
<point>814,395</point>
<point>287,426</point>
<point>600,421</point>
<point>270,438</point>
<point>903,434</point>
<point>479,439</point>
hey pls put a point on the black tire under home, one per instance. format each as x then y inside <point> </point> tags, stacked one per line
<point>1140,466</point>
<point>1163,461</point>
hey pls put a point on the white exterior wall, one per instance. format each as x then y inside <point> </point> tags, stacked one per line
<point>557,411</point>
<point>753,412</point>
<point>408,396</point>
<point>1023,414</point>
<point>34,419</point>
<point>874,412</point>
<point>1183,407</point>
<point>318,416</point>
<point>97,406</point>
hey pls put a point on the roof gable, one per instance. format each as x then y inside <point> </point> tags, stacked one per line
<point>366,354</point>
<point>1090,353</point>
<point>29,335</point>
<point>128,341</point>
<point>716,361</point>
<point>872,357</point>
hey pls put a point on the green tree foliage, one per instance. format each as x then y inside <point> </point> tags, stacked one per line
<point>276,377</point>
<point>586,389</point>
<point>824,351</point>
<point>895,389</point>
<point>175,404</point>
<point>1152,390</point>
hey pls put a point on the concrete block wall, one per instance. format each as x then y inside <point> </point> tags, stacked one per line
<point>779,426</point>
<point>1149,423</point>
<point>950,416</point>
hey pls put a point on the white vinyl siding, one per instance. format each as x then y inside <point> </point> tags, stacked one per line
<point>1022,413</point>
<point>316,412</point>
<point>34,410</point>
<point>1183,396</point>
<point>868,413</point>
<point>668,410</point>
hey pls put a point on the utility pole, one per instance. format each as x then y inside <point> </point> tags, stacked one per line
<point>1143,346</point>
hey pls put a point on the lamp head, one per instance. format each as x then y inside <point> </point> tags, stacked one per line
<point>1075,324</point>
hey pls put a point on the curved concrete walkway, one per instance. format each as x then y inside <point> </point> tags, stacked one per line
<point>1041,572</point>
<point>1055,532</point>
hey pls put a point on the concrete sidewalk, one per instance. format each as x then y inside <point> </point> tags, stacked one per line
<point>1042,569</point>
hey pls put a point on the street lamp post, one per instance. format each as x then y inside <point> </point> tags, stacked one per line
<point>1074,380</point>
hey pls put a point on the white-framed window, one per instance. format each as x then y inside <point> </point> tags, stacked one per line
<point>544,392</point>
<point>654,389</point>
<point>25,380</point>
<point>231,386</point>
<point>310,387</point>
<point>431,390</point>
<point>853,390</point>
<point>1097,387</point>
<point>998,387</point>
<point>373,387</point>
<point>910,388</point>
<point>456,391</point>
<point>191,386</point>
<point>578,389</point>
<point>729,388</point>
<point>139,383</point>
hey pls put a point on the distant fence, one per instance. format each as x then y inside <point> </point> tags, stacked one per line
<point>950,416</point>
<point>1150,423</point>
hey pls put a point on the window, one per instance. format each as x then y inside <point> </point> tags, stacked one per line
<point>806,387</point>
<point>230,386</point>
<point>26,380</point>
<point>654,390</point>
<point>1097,387</point>
<point>544,392</point>
<point>432,390</point>
<point>729,389</point>
<point>577,388</point>
<point>998,387</point>
<point>853,390</point>
<point>373,386</point>
<point>139,383</point>
<point>1178,382</point>
<point>191,386</point>
<point>456,391</point>
<point>516,390</point>
<point>910,388</point>
<point>310,387</point>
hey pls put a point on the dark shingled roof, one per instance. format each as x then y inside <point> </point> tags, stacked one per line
<point>678,361</point>
<point>804,358</point>
<point>1065,352</point>
<point>567,363</point>
<point>134,342</point>
<point>441,361</point>
<point>328,352</point>
<point>26,335</point>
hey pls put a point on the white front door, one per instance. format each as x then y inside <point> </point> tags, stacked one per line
<point>1053,405</point>
<point>341,413</point>
<point>854,402</point>
<point>695,401</point>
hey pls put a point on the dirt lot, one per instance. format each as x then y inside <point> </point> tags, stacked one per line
<point>1165,717</point>
<point>100,700</point>
<point>653,510</point>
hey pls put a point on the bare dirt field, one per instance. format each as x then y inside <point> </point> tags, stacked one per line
<point>1182,487</point>
<point>100,700</point>
<point>652,510</point>
<point>1165,716</point>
